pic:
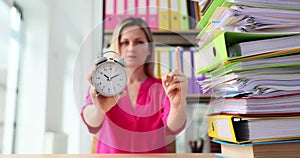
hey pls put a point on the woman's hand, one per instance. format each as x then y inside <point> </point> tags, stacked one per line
<point>175,83</point>
<point>101,102</point>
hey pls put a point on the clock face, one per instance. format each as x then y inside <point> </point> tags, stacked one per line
<point>109,78</point>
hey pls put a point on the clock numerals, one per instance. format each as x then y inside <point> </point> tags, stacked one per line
<point>109,79</point>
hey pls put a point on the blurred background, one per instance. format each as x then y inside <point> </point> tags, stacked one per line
<point>39,45</point>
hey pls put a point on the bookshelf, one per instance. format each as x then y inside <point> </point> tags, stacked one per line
<point>172,38</point>
<point>198,98</point>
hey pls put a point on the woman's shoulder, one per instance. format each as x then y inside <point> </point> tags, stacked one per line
<point>152,82</point>
<point>154,85</point>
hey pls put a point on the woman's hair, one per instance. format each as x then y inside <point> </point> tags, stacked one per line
<point>128,22</point>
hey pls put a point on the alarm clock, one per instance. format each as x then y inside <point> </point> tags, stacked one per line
<point>110,77</point>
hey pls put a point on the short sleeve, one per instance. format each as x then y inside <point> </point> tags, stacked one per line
<point>88,99</point>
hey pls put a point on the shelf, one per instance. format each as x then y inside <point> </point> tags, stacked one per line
<point>198,98</point>
<point>172,38</point>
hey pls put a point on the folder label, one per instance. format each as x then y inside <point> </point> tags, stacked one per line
<point>109,7</point>
<point>120,7</point>
<point>175,15</point>
<point>131,7</point>
<point>205,58</point>
<point>120,10</point>
<point>164,62</point>
<point>164,15</point>
<point>184,20</point>
<point>110,15</point>
<point>187,67</point>
<point>153,14</point>
<point>142,9</point>
<point>223,127</point>
<point>153,7</point>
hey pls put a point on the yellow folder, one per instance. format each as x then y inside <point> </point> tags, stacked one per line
<point>156,64</point>
<point>164,14</point>
<point>163,61</point>
<point>164,64</point>
<point>174,15</point>
<point>229,127</point>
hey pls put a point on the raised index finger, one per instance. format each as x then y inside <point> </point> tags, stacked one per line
<point>177,63</point>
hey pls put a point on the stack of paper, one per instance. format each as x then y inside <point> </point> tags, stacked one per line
<point>263,105</point>
<point>257,100</point>
<point>260,77</point>
<point>237,16</point>
<point>268,128</point>
<point>263,46</point>
<point>256,74</point>
<point>268,3</point>
<point>232,47</point>
<point>252,54</point>
<point>254,19</point>
<point>273,62</point>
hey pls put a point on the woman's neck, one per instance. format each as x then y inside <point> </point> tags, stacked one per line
<point>136,75</point>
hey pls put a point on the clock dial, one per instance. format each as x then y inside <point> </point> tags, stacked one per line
<point>109,78</point>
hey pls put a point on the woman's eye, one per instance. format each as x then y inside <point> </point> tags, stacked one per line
<point>140,42</point>
<point>124,43</point>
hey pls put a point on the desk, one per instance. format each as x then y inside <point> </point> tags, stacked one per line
<point>196,155</point>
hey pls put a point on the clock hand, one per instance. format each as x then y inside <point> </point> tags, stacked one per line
<point>114,76</point>
<point>107,77</point>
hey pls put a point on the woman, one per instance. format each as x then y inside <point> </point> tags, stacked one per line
<point>149,109</point>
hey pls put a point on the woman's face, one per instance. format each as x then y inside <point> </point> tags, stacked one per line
<point>134,47</point>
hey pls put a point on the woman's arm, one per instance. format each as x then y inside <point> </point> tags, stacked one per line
<point>175,85</point>
<point>96,106</point>
<point>177,117</point>
<point>91,115</point>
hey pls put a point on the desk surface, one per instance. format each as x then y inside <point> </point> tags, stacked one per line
<point>204,155</point>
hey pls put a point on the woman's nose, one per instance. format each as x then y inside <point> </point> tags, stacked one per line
<point>131,46</point>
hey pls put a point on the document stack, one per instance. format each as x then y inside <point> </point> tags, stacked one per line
<point>251,50</point>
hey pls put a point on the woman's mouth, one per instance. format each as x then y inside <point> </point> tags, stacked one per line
<point>131,57</point>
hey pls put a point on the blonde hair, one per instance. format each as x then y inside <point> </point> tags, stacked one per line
<point>128,22</point>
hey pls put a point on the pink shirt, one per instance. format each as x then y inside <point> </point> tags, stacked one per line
<point>136,130</point>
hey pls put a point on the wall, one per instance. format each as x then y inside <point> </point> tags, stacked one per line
<point>53,35</point>
<point>33,79</point>
<point>4,48</point>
